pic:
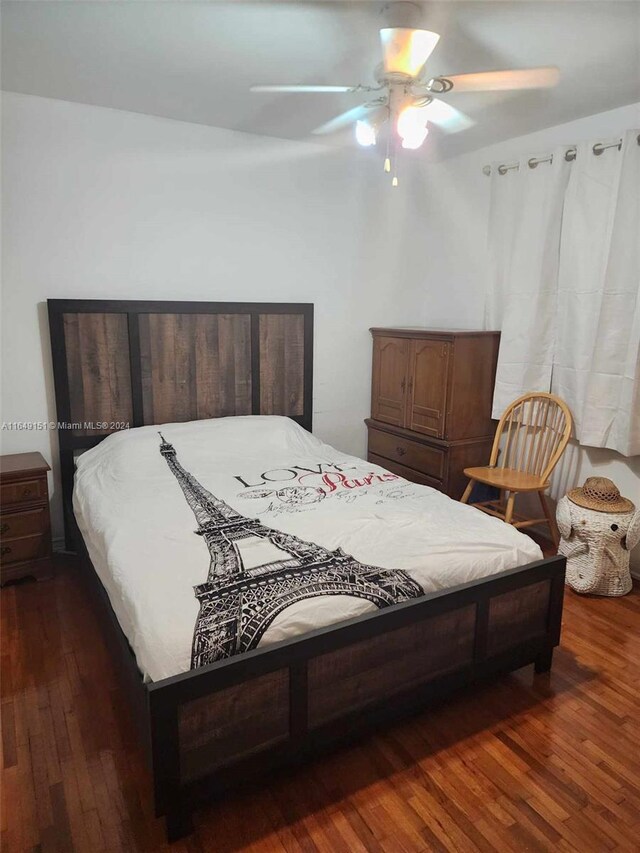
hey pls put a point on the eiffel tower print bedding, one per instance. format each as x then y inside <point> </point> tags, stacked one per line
<point>215,537</point>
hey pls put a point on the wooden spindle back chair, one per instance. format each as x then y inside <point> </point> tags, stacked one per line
<point>531,437</point>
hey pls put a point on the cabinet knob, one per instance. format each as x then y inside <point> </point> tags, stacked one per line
<point>26,491</point>
<point>5,550</point>
<point>400,451</point>
<point>4,528</point>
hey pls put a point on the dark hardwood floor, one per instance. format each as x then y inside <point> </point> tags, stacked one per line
<point>526,763</point>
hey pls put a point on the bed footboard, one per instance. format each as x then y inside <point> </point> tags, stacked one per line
<point>216,726</point>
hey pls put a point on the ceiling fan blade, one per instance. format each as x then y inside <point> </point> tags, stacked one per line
<point>405,51</point>
<point>344,119</point>
<point>446,117</point>
<point>304,88</point>
<point>495,81</point>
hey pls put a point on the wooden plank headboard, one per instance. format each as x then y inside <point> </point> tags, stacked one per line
<point>120,363</point>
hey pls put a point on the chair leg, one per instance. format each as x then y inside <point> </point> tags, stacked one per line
<point>508,513</point>
<point>553,527</point>
<point>467,492</point>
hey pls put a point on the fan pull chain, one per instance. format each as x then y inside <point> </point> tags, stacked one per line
<point>396,162</point>
<point>387,159</point>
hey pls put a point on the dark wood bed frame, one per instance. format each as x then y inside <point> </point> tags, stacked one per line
<point>137,363</point>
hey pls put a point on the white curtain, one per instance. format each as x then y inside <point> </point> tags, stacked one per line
<point>504,193</point>
<point>564,248</point>
<point>596,366</point>
<point>524,241</point>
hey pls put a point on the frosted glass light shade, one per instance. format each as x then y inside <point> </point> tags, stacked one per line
<point>406,51</point>
<point>412,126</point>
<point>365,134</point>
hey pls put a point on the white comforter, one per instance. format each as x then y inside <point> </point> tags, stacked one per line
<point>139,528</point>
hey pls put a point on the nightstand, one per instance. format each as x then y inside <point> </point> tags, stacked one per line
<point>25,526</point>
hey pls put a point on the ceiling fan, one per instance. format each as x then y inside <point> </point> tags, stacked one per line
<point>405,94</point>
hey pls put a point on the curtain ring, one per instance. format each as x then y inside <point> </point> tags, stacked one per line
<point>502,170</point>
<point>532,162</point>
<point>570,155</point>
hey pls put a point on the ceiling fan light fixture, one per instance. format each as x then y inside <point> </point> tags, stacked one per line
<point>415,140</point>
<point>365,134</point>
<point>412,126</point>
<point>406,50</point>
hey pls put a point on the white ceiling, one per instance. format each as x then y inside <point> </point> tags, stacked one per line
<point>195,61</point>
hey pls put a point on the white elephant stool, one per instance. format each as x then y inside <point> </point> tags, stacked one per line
<point>598,529</point>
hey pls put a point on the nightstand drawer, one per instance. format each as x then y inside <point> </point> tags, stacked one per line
<point>26,522</point>
<point>24,549</point>
<point>420,457</point>
<point>23,491</point>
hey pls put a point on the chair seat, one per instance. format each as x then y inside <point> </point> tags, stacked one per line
<point>507,479</point>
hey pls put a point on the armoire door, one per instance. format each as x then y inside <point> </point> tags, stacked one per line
<point>429,367</point>
<point>389,379</point>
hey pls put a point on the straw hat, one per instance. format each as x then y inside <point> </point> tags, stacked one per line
<point>601,494</point>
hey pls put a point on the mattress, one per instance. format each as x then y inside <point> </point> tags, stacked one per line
<point>168,512</point>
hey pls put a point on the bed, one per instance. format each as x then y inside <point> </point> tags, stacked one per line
<point>263,590</point>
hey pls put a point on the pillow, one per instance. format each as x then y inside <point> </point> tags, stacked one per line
<point>223,438</point>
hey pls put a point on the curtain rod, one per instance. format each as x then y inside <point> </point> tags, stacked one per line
<point>569,155</point>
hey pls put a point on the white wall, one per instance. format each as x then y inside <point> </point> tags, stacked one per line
<point>102,203</point>
<point>453,200</point>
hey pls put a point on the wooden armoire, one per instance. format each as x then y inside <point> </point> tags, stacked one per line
<point>431,404</point>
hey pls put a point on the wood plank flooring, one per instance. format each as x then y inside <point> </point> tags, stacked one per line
<point>527,763</point>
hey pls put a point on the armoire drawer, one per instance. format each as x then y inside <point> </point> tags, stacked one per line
<point>412,454</point>
<point>407,473</point>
